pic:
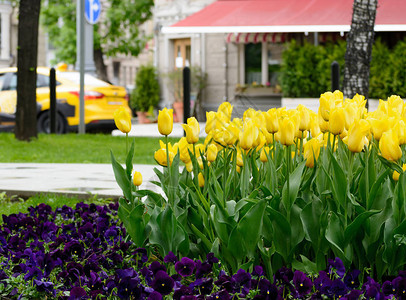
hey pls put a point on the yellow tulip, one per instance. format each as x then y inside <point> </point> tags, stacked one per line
<point>395,104</point>
<point>272,120</point>
<point>200,179</point>
<point>137,178</point>
<point>200,149</point>
<point>323,125</point>
<point>325,105</point>
<point>165,121</point>
<point>227,109</point>
<point>248,135</point>
<point>231,134</point>
<point>337,121</point>
<point>263,156</point>
<point>192,130</point>
<point>314,126</point>
<point>287,132</point>
<point>211,152</point>
<point>304,117</point>
<point>350,112</point>
<point>122,118</point>
<point>240,161</point>
<point>396,175</point>
<point>379,126</point>
<point>389,145</point>
<point>210,121</point>
<point>160,157</point>
<point>189,166</point>
<point>183,147</point>
<point>401,130</point>
<point>311,152</point>
<point>356,135</point>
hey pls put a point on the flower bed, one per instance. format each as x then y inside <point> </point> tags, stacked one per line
<point>82,253</point>
<point>279,188</point>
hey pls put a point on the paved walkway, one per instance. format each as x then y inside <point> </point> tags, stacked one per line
<point>82,180</point>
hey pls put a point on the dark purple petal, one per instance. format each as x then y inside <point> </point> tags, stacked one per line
<point>185,267</point>
<point>163,283</point>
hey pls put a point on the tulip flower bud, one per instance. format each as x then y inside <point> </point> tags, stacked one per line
<point>192,130</point>
<point>189,166</point>
<point>287,132</point>
<point>122,118</point>
<point>165,121</point>
<point>210,121</point>
<point>389,145</point>
<point>356,135</point>
<point>160,157</point>
<point>304,117</point>
<point>263,156</point>
<point>272,120</point>
<point>200,179</point>
<point>311,152</point>
<point>396,175</point>
<point>137,178</point>
<point>337,121</point>
<point>248,135</point>
<point>211,152</point>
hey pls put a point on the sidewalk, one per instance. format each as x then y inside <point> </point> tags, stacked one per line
<point>81,180</point>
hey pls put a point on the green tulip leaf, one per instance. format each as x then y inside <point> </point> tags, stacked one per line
<point>295,179</point>
<point>121,178</point>
<point>352,229</point>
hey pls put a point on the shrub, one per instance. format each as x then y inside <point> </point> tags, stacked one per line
<point>146,93</point>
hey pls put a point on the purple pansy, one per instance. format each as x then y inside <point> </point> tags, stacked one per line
<point>162,283</point>
<point>185,266</point>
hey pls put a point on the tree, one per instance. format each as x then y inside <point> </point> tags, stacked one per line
<point>26,115</point>
<point>117,32</point>
<point>359,48</point>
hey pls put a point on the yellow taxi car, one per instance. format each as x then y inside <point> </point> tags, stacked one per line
<point>101,100</point>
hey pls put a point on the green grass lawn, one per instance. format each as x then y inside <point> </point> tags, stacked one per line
<point>75,148</point>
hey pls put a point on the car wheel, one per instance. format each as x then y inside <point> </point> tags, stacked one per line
<point>44,120</point>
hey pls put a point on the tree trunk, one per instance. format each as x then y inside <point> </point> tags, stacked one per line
<point>101,69</point>
<point>26,114</point>
<point>359,48</point>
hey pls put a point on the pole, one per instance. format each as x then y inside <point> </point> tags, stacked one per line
<point>335,76</point>
<point>82,66</point>
<point>52,101</point>
<point>186,94</point>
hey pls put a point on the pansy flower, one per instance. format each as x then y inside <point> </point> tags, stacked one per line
<point>185,267</point>
<point>162,283</point>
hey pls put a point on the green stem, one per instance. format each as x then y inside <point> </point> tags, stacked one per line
<point>224,176</point>
<point>350,175</point>
<point>126,143</point>
<point>168,164</point>
<point>288,158</point>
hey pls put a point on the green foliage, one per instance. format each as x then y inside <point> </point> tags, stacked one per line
<point>146,93</point>
<point>379,82</point>
<point>306,70</point>
<point>117,32</point>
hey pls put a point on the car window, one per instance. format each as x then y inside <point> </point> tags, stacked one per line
<point>12,85</point>
<point>42,81</point>
<point>75,78</point>
<point>2,76</point>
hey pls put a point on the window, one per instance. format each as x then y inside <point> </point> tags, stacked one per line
<point>274,63</point>
<point>253,63</point>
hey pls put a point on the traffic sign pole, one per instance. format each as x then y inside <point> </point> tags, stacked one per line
<point>81,5</point>
<point>89,9</point>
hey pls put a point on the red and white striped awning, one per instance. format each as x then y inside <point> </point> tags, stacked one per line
<point>255,37</point>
